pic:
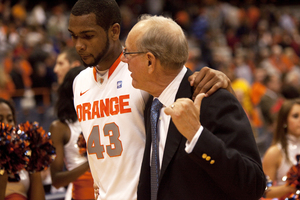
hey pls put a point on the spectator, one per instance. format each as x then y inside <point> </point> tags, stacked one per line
<point>281,156</point>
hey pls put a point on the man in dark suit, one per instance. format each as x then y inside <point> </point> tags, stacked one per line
<point>207,156</point>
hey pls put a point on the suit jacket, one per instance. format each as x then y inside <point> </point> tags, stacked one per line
<point>224,164</point>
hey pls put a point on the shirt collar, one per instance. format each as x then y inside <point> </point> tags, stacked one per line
<point>167,97</point>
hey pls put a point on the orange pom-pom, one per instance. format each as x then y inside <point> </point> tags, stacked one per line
<point>81,145</point>
<point>40,143</point>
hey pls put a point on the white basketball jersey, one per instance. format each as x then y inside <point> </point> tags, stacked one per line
<point>112,120</point>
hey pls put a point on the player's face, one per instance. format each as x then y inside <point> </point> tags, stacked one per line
<point>61,67</point>
<point>293,121</point>
<point>6,115</point>
<point>90,40</point>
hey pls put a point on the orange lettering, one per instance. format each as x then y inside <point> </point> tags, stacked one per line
<point>86,111</point>
<point>114,106</point>
<point>123,104</point>
<point>79,112</point>
<point>95,110</point>
<point>104,107</point>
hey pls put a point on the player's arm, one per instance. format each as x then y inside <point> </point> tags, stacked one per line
<point>59,132</point>
<point>208,80</point>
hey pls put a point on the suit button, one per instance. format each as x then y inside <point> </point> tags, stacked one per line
<point>208,158</point>
<point>204,155</point>
<point>212,162</point>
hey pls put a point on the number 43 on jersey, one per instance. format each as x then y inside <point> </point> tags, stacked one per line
<point>94,145</point>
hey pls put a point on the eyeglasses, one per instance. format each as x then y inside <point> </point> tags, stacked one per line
<point>127,53</point>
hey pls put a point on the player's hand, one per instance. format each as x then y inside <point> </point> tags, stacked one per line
<point>186,115</point>
<point>208,81</point>
<point>96,191</point>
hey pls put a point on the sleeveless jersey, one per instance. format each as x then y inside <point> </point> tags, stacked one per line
<point>111,117</point>
<point>82,188</point>
<point>20,187</point>
<point>72,157</point>
<point>285,165</point>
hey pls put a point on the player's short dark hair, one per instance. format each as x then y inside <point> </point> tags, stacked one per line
<point>107,11</point>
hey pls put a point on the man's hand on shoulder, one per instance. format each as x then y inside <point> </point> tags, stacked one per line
<point>208,80</point>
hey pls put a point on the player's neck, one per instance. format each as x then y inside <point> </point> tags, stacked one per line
<point>112,55</point>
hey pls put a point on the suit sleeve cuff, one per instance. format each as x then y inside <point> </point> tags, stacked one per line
<point>189,146</point>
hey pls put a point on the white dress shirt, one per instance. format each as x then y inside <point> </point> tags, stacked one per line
<point>167,97</point>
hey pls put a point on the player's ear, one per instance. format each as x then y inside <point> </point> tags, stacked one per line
<point>114,31</point>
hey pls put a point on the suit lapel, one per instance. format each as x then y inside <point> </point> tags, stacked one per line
<point>174,137</point>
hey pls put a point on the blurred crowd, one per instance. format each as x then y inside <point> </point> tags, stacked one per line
<point>256,45</point>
